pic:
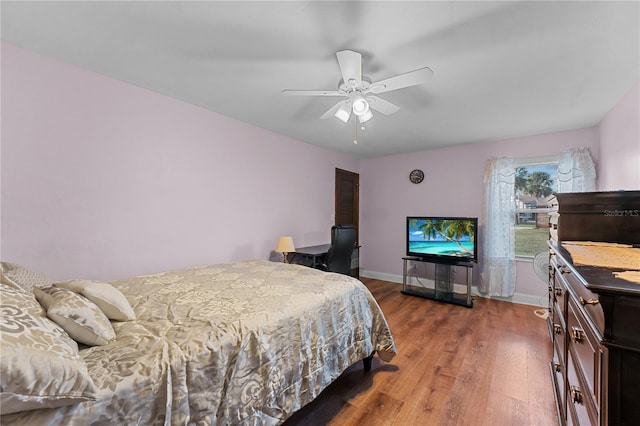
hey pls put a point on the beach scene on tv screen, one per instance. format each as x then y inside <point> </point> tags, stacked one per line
<point>444,237</point>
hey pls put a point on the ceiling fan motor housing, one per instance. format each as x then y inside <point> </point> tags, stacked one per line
<point>354,86</point>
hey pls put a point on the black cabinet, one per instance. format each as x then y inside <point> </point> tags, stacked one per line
<point>443,279</point>
<point>594,296</point>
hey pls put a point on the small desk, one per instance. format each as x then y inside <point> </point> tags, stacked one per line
<point>311,257</point>
<point>311,253</point>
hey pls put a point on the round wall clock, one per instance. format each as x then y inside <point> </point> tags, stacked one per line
<point>416,176</point>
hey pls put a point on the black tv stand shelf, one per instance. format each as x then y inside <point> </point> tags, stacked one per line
<point>443,283</point>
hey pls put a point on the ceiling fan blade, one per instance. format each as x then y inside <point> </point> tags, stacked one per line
<point>351,66</point>
<point>312,93</point>
<point>412,78</point>
<point>380,105</point>
<point>332,111</point>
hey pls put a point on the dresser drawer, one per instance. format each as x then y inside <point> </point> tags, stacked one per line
<point>587,299</point>
<point>580,405</point>
<point>559,290</point>
<point>557,369</point>
<point>559,349</point>
<point>550,322</point>
<point>559,330</point>
<point>558,372</point>
<point>586,350</point>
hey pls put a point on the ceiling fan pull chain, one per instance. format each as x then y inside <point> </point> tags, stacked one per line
<point>355,135</point>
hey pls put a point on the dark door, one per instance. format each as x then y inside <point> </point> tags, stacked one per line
<point>347,199</point>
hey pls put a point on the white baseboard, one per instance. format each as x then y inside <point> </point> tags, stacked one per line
<point>521,298</point>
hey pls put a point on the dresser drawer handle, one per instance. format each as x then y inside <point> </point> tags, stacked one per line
<point>576,395</point>
<point>557,329</point>
<point>564,270</point>
<point>558,291</point>
<point>577,334</point>
<point>584,301</point>
<point>557,368</point>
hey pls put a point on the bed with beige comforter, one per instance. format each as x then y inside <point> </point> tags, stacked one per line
<point>232,344</point>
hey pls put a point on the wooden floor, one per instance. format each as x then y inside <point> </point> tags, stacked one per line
<point>487,365</point>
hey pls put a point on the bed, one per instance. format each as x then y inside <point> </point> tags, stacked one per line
<point>237,343</point>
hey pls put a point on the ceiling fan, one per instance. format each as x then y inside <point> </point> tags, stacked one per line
<point>360,92</point>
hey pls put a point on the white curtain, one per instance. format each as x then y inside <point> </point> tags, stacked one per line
<point>497,260</point>
<point>576,171</point>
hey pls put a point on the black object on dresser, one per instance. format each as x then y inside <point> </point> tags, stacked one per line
<point>594,304</point>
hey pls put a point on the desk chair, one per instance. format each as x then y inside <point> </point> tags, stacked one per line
<point>338,258</point>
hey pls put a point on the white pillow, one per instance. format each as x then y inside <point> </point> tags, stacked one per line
<point>108,298</point>
<point>77,315</point>
<point>40,366</point>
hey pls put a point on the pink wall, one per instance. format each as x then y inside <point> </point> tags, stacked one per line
<point>620,144</point>
<point>452,186</point>
<point>101,179</point>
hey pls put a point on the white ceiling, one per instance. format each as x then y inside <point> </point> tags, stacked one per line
<point>502,69</point>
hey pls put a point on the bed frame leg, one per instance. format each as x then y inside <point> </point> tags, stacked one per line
<point>367,362</point>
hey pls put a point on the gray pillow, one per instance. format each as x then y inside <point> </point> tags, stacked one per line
<point>22,278</point>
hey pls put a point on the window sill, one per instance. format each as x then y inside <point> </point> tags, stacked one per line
<point>524,259</point>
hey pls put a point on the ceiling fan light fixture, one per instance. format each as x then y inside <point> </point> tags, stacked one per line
<point>366,116</point>
<point>360,106</point>
<point>343,113</point>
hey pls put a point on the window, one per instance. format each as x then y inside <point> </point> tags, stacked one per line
<point>536,181</point>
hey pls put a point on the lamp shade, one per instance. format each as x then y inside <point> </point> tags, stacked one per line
<point>343,113</point>
<point>285,245</point>
<point>366,116</point>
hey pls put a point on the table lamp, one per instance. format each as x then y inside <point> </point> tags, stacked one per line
<point>285,246</point>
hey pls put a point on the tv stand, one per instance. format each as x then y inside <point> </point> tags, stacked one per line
<point>443,282</point>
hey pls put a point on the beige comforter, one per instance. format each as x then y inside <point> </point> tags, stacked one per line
<point>240,343</point>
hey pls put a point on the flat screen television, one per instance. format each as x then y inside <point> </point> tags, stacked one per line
<point>442,239</point>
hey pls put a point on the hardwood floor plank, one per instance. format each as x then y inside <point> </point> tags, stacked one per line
<point>420,355</point>
<point>510,375</point>
<point>487,365</point>
<point>381,409</point>
<point>428,402</point>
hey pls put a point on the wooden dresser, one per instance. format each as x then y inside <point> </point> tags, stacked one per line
<point>594,304</point>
